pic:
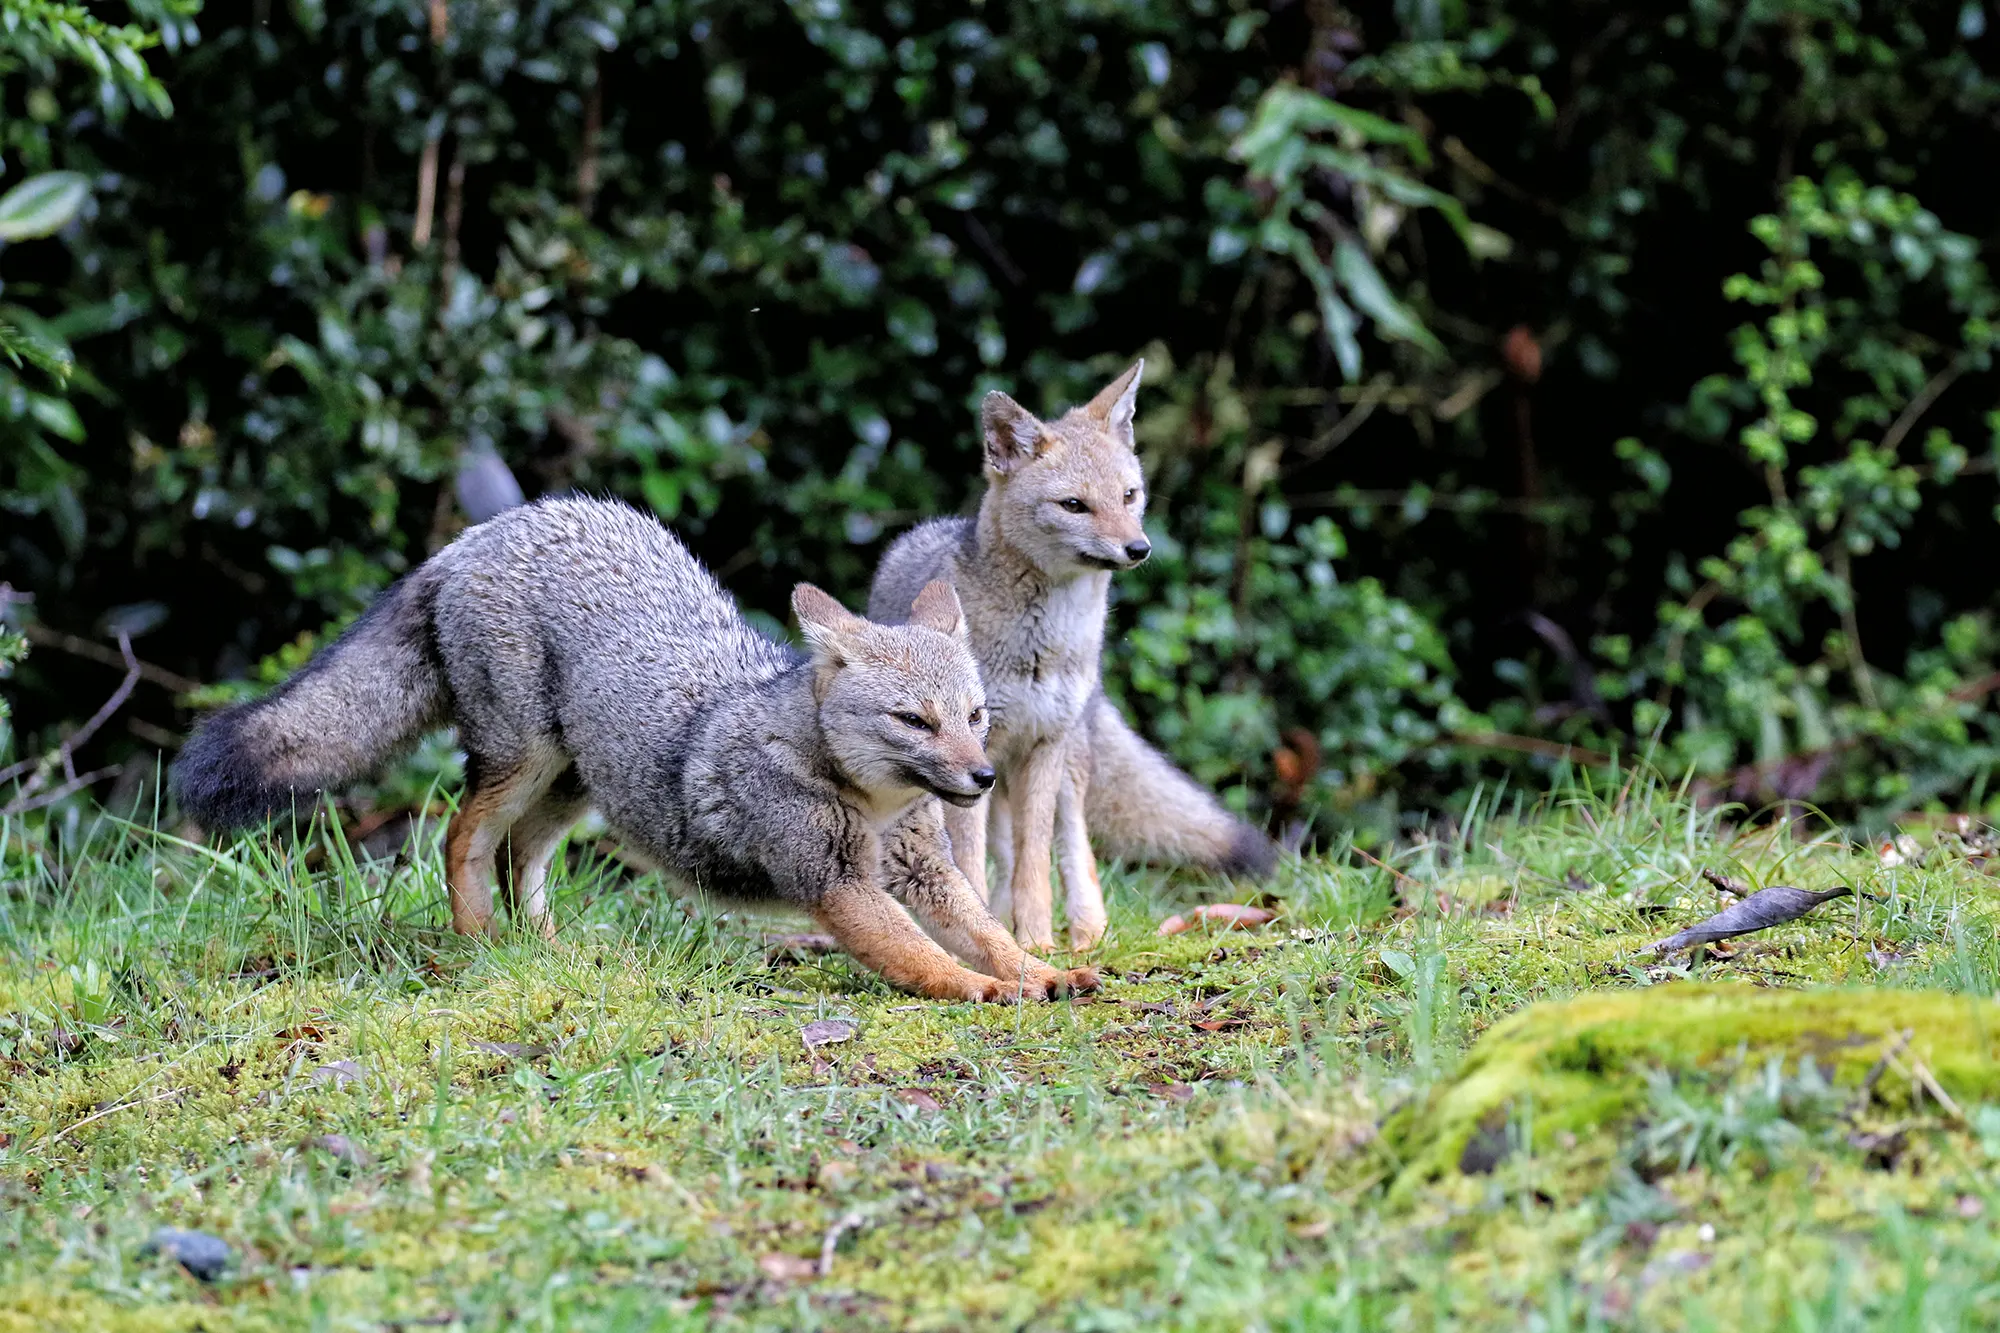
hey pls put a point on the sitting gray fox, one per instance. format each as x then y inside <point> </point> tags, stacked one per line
<point>587,659</point>
<point>1061,512</point>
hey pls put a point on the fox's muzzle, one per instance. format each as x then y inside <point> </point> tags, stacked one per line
<point>979,779</point>
<point>1129,556</point>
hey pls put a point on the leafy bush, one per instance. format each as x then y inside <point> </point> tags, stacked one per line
<point>1430,286</point>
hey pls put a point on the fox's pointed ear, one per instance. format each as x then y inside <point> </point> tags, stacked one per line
<point>828,626</point>
<point>1117,402</point>
<point>1013,433</point>
<point>937,608</point>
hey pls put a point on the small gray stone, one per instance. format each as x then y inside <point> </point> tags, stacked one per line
<point>203,1255</point>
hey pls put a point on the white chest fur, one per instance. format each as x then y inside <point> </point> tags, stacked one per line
<point>1040,659</point>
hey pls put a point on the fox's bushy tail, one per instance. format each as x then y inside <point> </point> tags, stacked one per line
<point>359,703</point>
<point>1141,808</point>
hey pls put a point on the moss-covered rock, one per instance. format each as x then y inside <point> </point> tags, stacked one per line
<point>1572,1067</point>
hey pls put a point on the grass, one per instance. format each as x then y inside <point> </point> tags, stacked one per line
<point>1275,1129</point>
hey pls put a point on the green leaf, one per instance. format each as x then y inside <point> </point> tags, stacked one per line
<point>42,205</point>
<point>45,354</point>
<point>1363,282</point>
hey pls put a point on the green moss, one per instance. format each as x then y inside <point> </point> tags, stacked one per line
<point>1572,1067</point>
<point>1205,1138</point>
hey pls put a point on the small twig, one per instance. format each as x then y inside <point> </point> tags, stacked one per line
<point>454,210</point>
<point>155,736</point>
<point>113,1110</point>
<point>47,764</point>
<point>1500,740</point>
<point>1376,860</point>
<point>1920,1074</point>
<point>1350,421</point>
<point>24,804</point>
<point>1976,689</point>
<point>1729,886</point>
<point>44,637</point>
<point>1914,411</point>
<point>1001,259</point>
<point>427,186</point>
<point>1850,629</point>
<point>847,1223</point>
<point>593,125</point>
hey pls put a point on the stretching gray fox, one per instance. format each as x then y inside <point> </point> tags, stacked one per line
<point>1062,508</point>
<point>587,659</point>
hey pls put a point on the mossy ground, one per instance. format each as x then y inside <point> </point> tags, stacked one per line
<point>1276,1129</point>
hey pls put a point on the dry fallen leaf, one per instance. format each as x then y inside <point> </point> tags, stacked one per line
<point>788,1267</point>
<point>920,1099</point>
<point>1173,1092</point>
<point>828,1032</point>
<point>1760,911</point>
<point>1220,916</point>
<point>513,1050</point>
<point>339,1073</point>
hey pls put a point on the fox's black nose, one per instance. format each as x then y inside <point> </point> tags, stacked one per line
<point>1139,550</point>
<point>982,778</point>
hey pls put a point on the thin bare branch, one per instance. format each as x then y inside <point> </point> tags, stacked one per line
<point>1913,412</point>
<point>44,637</point>
<point>24,804</point>
<point>47,764</point>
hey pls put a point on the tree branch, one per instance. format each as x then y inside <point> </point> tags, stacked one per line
<point>63,757</point>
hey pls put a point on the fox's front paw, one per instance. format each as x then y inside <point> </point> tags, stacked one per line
<point>1048,983</point>
<point>1076,981</point>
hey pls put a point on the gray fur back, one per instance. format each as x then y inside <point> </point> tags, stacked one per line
<point>584,627</point>
<point>925,552</point>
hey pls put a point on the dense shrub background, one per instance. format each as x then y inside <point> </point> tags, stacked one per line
<point>1520,375</point>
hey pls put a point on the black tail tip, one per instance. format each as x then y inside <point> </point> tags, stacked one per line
<point>1251,855</point>
<point>215,781</point>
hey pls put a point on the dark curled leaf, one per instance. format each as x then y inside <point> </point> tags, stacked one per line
<point>1760,911</point>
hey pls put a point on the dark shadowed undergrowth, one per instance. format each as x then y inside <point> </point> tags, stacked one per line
<point>1304,1126</point>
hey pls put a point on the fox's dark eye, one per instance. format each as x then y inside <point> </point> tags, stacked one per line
<point>977,716</point>
<point>1074,505</point>
<point>1131,494</point>
<point>912,720</point>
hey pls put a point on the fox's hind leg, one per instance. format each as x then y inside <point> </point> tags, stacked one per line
<point>1032,793</point>
<point>497,794</point>
<point>531,844</point>
<point>1083,892</point>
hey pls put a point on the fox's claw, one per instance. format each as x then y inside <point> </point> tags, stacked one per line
<point>1076,981</point>
<point>1049,983</point>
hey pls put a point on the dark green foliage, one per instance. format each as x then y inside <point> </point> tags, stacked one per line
<point>1620,373</point>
